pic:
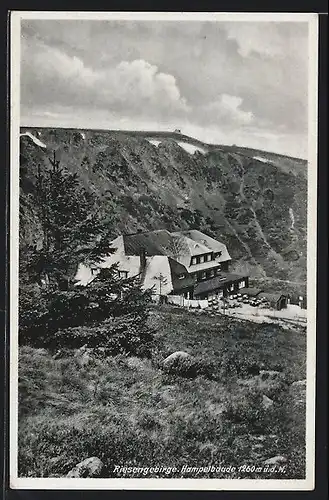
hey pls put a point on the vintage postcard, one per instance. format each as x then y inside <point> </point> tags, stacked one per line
<point>163,250</point>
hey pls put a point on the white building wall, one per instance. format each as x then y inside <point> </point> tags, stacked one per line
<point>156,266</point>
<point>125,263</point>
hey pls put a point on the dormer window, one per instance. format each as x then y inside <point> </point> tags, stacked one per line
<point>208,257</point>
<point>194,261</point>
<point>123,274</point>
<point>201,259</point>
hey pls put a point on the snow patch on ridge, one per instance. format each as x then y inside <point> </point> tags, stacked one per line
<point>34,139</point>
<point>263,160</point>
<point>190,148</point>
<point>154,142</point>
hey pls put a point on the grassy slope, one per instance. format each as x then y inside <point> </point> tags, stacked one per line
<point>127,412</point>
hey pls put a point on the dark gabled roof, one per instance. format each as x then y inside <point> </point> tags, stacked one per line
<point>152,242</point>
<point>210,244</point>
<point>272,296</point>
<point>162,242</point>
<point>217,282</point>
<point>177,245</point>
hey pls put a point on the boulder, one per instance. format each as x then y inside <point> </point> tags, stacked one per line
<point>183,364</point>
<point>177,355</point>
<point>297,392</point>
<point>267,402</point>
<point>277,460</point>
<point>271,388</point>
<point>41,350</point>
<point>62,353</point>
<point>179,363</point>
<point>299,383</point>
<point>83,355</point>
<point>80,351</point>
<point>90,467</point>
<point>85,359</point>
<point>136,363</point>
<point>270,375</point>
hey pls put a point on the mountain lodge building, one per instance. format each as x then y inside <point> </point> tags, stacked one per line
<point>187,263</point>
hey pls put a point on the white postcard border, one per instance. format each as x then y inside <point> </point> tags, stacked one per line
<point>146,483</point>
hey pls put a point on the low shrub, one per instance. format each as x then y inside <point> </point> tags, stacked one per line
<point>126,334</point>
<point>247,410</point>
<point>110,313</point>
<point>235,364</point>
<point>189,367</point>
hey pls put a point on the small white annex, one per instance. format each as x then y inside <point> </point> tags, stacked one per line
<point>155,271</point>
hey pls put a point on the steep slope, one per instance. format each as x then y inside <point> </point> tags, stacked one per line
<point>257,207</point>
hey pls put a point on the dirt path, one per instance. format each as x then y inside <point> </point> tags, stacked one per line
<point>293,316</point>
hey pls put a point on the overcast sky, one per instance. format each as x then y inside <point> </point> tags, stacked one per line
<point>225,82</point>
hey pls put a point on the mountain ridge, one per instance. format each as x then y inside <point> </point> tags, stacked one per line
<point>257,208</point>
<point>177,136</point>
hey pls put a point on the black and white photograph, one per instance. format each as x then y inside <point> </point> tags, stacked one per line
<point>163,250</point>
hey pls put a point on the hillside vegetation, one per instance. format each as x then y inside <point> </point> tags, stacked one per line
<point>257,207</point>
<point>127,411</point>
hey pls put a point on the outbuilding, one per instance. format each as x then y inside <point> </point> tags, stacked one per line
<point>277,300</point>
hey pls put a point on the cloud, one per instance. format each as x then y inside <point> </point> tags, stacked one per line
<point>51,76</point>
<point>228,80</point>
<point>270,39</point>
<point>139,83</point>
<point>226,111</point>
<point>229,106</point>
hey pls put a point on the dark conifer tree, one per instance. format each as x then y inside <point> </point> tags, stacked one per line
<point>75,232</point>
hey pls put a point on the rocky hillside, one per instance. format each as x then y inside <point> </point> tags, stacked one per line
<point>253,201</point>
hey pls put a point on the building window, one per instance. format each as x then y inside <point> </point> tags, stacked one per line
<point>194,261</point>
<point>203,275</point>
<point>212,273</point>
<point>201,259</point>
<point>218,271</point>
<point>123,274</point>
<point>181,276</point>
<point>232,287</point>
<point>242,284</point>
<point>220,293</point>
<point>208,257</point>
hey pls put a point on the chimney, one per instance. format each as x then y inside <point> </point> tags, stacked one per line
<point>142,255</point>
